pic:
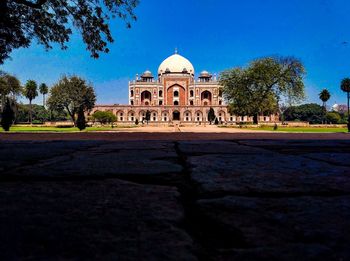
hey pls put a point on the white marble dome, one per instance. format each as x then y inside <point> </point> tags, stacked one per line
<point>176,64</point>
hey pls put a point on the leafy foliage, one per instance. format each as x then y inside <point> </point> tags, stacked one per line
<point>39,114</point>
<point>345,85</point>
<point>324,96</point>
<point>30,92</point>
<point>258,88</point>
<point>104,117</point>
<point>333,118</point>
<point>52,21</point>
<point>43,90</point>
<point>312,113</point>
<point>9,85</point>
<point>7,115</point>
<point>72,94</point>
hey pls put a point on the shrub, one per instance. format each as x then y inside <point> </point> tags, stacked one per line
<point>104,117</point>
<point>333,117</point>
<point>211,115</point>
<point>136,122</point>
<point>37,122</point>
<point>81,123</point>
<point>8,115</point>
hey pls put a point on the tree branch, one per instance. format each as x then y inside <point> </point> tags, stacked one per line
<point>37,5</point>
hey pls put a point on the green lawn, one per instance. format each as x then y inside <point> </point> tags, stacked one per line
<point>55,129</point>
<point>301,129</point>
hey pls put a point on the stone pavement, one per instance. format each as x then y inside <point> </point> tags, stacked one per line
<point>175,200</point>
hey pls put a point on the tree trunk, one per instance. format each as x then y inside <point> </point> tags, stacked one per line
<point>256,119</point>
<point>348,111</point>
<point>30,112</point>
<point>2,103</point>
<point>72,115</point>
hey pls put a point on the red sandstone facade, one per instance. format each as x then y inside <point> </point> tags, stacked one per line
<point>175,96</point>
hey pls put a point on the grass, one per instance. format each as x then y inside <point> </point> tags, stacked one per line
<point>301,129</point>
<point>55,129</point>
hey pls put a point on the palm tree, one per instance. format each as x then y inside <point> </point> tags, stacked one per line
<point>345,87</point>
<point>324,97</point>
<point>30,92</point>
<point>43,90</point>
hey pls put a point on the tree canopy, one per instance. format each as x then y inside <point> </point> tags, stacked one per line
<point>312,113</point>
<point>104,117</point>
<point>44,89</point>
<point>9,85</point>
<point>345,85</point>
<point>52,21</point>
<point>324,96</point>
<point>258,88</point>
<point>30,90</point>
<point>72,94</point>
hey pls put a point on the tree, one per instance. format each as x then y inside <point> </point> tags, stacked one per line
<point>39,113</point>
<point>52,21</point>
<point>345,87</point>
<point>81,123</point>
<point>7,115</point>
<point>211,115</point>
<point>312,113</point>
<point>258,88</point>
<point>9,86</point>
<point>104,117</point>
<point>72,94</point>
<point>324,97</point>
<point>43,90</point>
<point>30,92</point>
<point>333,117</point>
<point>148,116</point>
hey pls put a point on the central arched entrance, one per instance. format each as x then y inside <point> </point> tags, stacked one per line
<point>146,98</point>
<point>176,116</point>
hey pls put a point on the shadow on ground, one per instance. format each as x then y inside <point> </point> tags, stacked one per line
<point>175,200</point>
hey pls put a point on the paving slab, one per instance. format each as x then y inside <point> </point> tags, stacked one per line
<point>266,174</point>
<point>319,225</point>
<point>94,220</point>
<point>335,158</point>
<point>106,160</point>
<point>216,147</point>
<point>138,145</point>
<point>300,146</point>
<point>240,200</point>
<point>14,154</point>
<point>310,252</point>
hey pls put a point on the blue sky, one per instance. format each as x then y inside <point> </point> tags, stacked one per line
<point>214,35</point>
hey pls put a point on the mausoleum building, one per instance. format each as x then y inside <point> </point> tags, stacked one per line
<point>175,94</point>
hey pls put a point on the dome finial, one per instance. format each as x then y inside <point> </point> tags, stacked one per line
<point>175,50</point>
